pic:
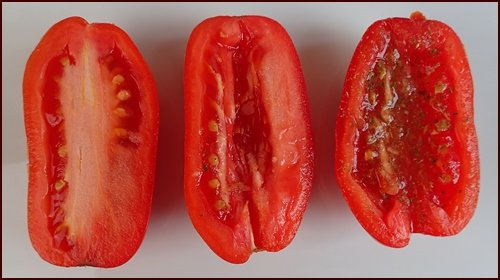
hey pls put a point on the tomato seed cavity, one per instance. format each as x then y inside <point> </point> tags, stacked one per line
<point>405,126</point>
<point>57,160</point>
<point>238,153</point>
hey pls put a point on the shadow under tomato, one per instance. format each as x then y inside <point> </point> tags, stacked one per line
<point>325,59</point>
<point>166,61</point>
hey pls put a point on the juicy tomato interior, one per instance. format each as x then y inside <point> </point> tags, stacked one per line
<point>406,140</point>
<point>248,146</point>
<point>62,110</point>
<point>241,145</point>
<point>408,156</point>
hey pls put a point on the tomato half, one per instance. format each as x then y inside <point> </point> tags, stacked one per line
<point>248,141</point>
<point>91,117</point>
<point>407,156</point>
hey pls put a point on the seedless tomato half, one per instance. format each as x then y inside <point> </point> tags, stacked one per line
<point>91,118</point>
<point>407,156</point>
<point>248,144</point>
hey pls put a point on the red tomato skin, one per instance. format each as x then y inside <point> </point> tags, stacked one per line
<point>393,227</point>
<point>235,243</point>
<point>104,249</point>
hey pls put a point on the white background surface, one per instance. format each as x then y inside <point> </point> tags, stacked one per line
<point>330,242</point>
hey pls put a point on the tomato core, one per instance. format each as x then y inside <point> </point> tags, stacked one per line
<point>60,75</point>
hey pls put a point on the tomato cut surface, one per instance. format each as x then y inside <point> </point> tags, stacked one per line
<point>407,157</point>
<point>91,118</point>
<point>248,144</point>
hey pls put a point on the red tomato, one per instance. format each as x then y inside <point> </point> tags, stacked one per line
<point>407,156</point>
<point>248,143</point>
<point>91,117</point>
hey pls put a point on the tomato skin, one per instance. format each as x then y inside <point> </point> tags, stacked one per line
<point>419,41</point>
<point>104,223</point>
<point>221,52</point>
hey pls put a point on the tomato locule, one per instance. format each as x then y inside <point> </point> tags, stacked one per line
<point>248,140</point>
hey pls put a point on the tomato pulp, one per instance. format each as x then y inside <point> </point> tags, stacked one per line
<point>407,157</point>
<point>91,118</point>
<point>248,142</point>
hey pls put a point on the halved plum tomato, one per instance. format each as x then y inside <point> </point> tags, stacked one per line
<point>406,147</point>
<point>91,118</point>
<point>248,141</point>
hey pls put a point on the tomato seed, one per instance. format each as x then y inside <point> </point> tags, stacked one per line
<point>214,183</point>
<point>212,126</point>
<point>120,112</point>
<point>440,87</point>
<point>369,154</point>
<point>62,151</point>
<point>123,95</point>
<point>64,61</point>
<point>223,34</point>
<point>61,229</point>
<point>213,160</point>
<point>60,184</point>
<point>443,125</point>
<point>445,178</point>
<point>118,79</point>
<point>121,132</point>
<point>220,205</point>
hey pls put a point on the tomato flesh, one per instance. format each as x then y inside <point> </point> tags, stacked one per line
<point>91,118</point>
<point>407,158</point>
